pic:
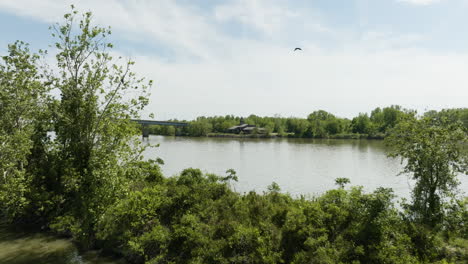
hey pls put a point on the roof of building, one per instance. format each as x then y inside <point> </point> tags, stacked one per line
<point>240,126</point>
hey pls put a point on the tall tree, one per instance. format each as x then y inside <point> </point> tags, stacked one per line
<point>433,150</point>
<point>95,138</point>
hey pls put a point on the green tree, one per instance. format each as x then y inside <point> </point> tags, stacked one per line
<point>300,127</point>
<point>95,139</point>
<point>452,115</point>
<point>322,124</point>
<point>391,116</point>
<point>434,154</point>
<point>200,127</point>
<point>361,124</point>
<point>22,100</point>
<point>321,115</point>
<point>333,126</point>
<point>341,182</point>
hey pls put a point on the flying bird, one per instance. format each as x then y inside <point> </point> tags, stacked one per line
<point>297,49</point>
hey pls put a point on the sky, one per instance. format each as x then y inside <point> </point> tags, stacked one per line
<point>215,57</point>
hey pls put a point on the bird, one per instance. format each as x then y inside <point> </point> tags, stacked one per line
<point>297,49</point>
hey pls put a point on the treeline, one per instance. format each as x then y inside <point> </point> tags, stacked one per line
<point>90,182</point>
<point>319,124</point>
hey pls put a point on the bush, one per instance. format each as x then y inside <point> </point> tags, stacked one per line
<point>197,218</point>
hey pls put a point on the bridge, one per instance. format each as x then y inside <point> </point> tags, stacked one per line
<point>146,123</point>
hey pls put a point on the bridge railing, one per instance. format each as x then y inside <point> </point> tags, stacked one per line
<point>160,123</point>
<point>146,123</point>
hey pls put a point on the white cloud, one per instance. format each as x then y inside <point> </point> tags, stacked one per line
<point>162,21</point>
<point>420,2</point>
<point>264,76</point>
<point>271,18</point>
<point>274,80</point>
<point>262,15</point>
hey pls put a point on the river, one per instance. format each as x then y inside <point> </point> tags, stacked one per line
<point>300,167</point>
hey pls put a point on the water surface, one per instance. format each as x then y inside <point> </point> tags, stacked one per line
<point>299,166</point>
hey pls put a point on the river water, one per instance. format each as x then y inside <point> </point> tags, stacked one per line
<point>300,167</point>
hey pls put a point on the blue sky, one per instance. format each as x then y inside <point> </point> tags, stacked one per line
<point>216,57</point>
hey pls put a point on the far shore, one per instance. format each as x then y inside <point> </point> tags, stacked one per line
<point>289,135</point>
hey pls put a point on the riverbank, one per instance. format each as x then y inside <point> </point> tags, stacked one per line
<point>229,135</point>
<point>285,135</point>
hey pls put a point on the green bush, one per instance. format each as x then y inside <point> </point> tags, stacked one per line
<point>197,218</point>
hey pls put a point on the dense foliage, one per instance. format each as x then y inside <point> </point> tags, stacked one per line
<point>66,180</point>
<point>196,218</point>
<point>22,103</point>
<point>88,181</point>
<point>319,124</point>
<point>433,149</point>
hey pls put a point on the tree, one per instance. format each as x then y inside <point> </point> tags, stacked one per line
<point>434,154</point>
<point>361,124</point>
<point>452,115</point>
<point>200,127</point>
<point>323,123</point>
<point>391,115</point>
<point>22,100</point>
<point>341,182</point>
<point>298,126</point>
<point>333,126</point>
<point>321,115</point>
<point>95,138</point>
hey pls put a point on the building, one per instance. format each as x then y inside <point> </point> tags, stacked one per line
<point>245,128</point>
<point>254,129</point>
